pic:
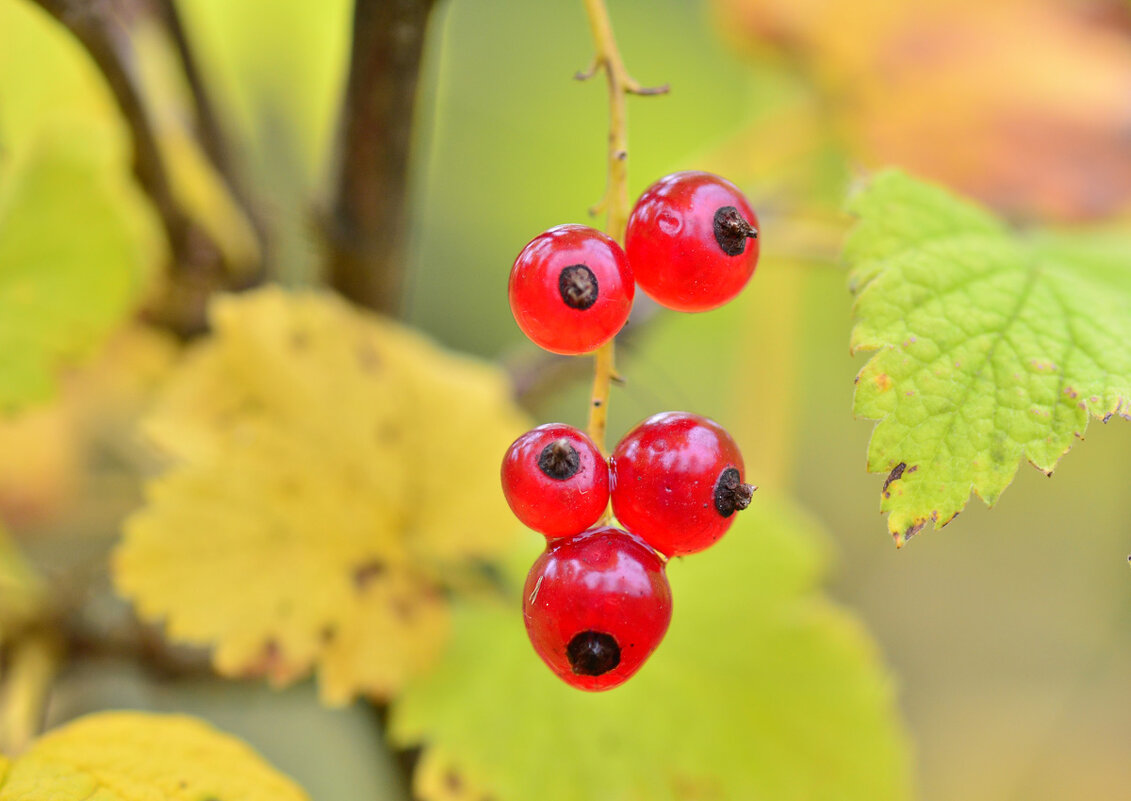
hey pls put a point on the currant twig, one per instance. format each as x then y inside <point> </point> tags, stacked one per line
<point>615,200</point>
<point>33,663</point>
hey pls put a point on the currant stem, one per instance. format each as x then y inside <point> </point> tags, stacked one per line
<point>603,371</point>
<point>34,663</point>
<point>615,200</point>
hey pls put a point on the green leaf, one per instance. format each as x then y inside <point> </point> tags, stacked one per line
<point>77,239</point>
<point>761,690</point>
<point>992,346</point>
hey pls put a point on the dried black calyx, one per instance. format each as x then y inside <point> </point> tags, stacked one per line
<point>578,286</point>
<point>732,230</point>
<point>559,460</point>
<point>731,495</point>
<point>592,653</point>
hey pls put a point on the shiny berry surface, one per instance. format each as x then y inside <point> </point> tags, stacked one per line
<point>692,241</point>
<point>677,482</point>
<point>596,606</point>
<point>555,480</point>
<point>571,289</point>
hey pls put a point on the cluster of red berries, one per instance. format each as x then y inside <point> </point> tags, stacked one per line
<point>597,602</point>
<point>691,245</point>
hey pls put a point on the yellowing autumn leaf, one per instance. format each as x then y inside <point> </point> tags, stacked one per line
<point>335,473</point>
<point>134,756</point>
<point>1020,103</point>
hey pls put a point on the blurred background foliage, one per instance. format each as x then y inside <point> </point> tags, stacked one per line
<point>1008,631</point>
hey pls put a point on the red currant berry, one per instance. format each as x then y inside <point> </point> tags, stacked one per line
<point>692,241</point>
<point>677,482</point>
<point>555,480</point>
<point>596,606</point>
<point>571,289</point>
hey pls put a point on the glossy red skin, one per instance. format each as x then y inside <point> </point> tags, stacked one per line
<point>664,474</point>
<point>536,300</point>
<point>603,580</point>
<point>671,242</point>
<point>555,507</point>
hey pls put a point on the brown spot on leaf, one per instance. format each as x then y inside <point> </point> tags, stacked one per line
<point>268,662</point>
<point>912,468</point>
<point>1070,392</point>
<point>368,360</point>
<point>902,538</point>
<point>883,382</point>
<point>911,531</point>
<point>328,633</point>
<point>389,433</point>
<point>300,340</point>
<point>403,608</point>
<point>1046,471</point>
<point>453,782</point>
<point>894,475</point>
<point>699,788</point>
<point>956,514</point>
<point>290,485</point>
<point>366,574</point>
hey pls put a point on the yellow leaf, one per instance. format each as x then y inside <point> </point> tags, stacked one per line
<point>335,474</point>
<point>134,756</point>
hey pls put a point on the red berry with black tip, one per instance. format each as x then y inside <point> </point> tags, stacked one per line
<point>571,289</point>
<point>555,480</point>
<point>596,606</point>
<point>677,482</point>
<point>692,241</point>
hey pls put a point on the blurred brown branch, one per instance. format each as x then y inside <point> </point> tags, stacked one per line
<point>210,130</point>
<point>102,31</point>
<point>369,216</point>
